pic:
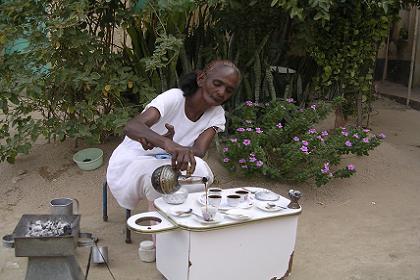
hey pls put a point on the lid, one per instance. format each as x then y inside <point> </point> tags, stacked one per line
<point>147,245</point>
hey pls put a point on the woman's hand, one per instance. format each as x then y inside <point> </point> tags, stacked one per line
<point>182,157</point>
<point>169,134</point>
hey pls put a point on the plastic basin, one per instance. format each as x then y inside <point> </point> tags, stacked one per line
<point>89,159</point>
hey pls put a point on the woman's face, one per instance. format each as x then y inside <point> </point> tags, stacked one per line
<point>218,84</point>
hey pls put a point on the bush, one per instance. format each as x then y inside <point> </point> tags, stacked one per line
<point>278,140</point>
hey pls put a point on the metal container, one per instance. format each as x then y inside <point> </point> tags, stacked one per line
<point>165,180</point>
<point>8,241</point>
<point>99,254</point>
<point>45,246</point>
<point>64,206</point>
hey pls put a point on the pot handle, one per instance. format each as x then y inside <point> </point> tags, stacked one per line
<point>158,223</point>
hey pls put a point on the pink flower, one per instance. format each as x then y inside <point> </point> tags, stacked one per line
<point>345,133</point>
<point>304,149</point>
<point>326,168</point>
<point>233,140</point>
<point>248,103</point>
<point>225,149</point>
<point>252,155</point>
<point>366,130</point>
<point>324,133</point>
<point>246,142</point>
<point>225,160</point>
<point>319,137</point>
<point>365,140</point>
<point>356,136</point>
<point>258,130</point>
<point>240,129</point>
<point>242,160</point>
<point>252,159</point>
<point>290,100</point>
<point>351,167</point>
<point>305,143</point>
<point>348,143</point>
<point>259,163</point>
<point>279,125</point>
<point>382,136</point>
<point>296,139</point>
<point>312,131</point>
<point>249,129</point>
<point>313,107</point>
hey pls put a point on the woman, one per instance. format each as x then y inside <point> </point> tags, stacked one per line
<point>180,122</point>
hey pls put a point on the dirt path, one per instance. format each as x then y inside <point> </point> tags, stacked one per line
<point>365,227</point>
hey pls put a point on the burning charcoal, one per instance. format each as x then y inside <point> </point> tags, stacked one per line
<point>48,229</point>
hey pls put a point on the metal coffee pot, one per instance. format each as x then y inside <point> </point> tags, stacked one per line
<point>165,180</point>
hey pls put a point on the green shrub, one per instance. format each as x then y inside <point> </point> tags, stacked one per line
<point>279,140</point>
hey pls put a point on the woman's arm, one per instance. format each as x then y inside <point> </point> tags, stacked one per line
<point>203,141</point>
<point>138,129</point>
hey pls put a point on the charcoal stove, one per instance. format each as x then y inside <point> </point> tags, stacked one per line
<point>49,257</point>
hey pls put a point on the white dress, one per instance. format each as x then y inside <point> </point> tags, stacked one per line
<point>130,166</point>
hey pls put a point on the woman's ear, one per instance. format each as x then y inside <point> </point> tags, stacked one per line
<point>201,77</point>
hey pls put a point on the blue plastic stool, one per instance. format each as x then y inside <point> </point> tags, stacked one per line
<point>105,212</point>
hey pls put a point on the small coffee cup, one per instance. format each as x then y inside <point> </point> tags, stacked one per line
<point>233,200</point>
<point>214,200</point>
<point>209,212</point>
<point>243,194</point>
<point>214,191</point>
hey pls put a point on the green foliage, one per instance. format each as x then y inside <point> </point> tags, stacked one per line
<point>345,49</point>
<point>62,73</point>
<point>66,82</point>
<point>279,140</point>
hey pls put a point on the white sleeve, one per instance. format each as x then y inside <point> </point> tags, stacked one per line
<point>165,101</point>
<point>218,120</point>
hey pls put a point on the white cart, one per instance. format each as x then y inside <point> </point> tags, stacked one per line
<point>258,248</point>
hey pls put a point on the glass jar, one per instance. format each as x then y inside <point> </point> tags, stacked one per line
<point>177,197</point>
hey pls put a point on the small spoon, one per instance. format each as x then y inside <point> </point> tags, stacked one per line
<point>185,213</point>
<point>181,213</point>
<point>273,205</point>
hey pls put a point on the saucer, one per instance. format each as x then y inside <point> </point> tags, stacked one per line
<point>217,219</point>
<point>237,215</point>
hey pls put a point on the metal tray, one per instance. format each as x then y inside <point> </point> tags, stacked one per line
<point>45,246</point>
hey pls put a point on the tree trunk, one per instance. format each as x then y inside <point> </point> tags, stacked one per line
<point>340,120</point>
<point>359,108</point>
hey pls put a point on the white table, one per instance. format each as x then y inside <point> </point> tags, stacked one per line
<point>186,249</point>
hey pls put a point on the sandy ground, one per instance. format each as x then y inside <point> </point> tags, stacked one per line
<point>365,227</point>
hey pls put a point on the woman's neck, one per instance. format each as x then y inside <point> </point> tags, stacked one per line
<point>194,106</point>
